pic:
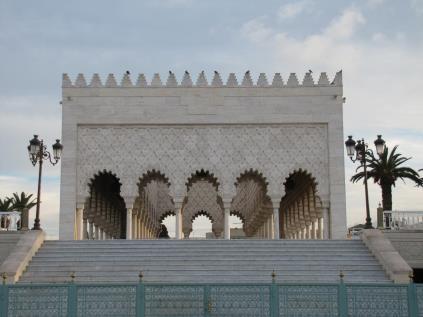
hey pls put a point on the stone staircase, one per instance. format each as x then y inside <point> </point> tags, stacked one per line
<point>8,241</point>
<point>204,261</point>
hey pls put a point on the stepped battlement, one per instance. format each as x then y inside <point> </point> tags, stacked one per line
<point>202,82</point>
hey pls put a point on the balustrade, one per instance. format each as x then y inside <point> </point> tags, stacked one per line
<point>402,219</point>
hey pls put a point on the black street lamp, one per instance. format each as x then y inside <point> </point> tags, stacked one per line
<point>360,149</point>
<point>37,153</point>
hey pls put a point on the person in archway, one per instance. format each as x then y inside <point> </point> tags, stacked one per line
<point>164,234</point>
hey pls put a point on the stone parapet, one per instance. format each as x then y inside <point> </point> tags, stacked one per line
<point>15,264</point>
<point>395,266</point>
<point>186,81</point>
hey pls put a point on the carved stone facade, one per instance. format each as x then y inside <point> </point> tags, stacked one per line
<point>214,150</point>
<point>226,151</point>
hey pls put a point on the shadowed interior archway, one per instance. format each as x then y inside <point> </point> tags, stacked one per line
<point>251,202</point>
<point>151,206</point>
<point>105,216</point>
<point>300,208</point>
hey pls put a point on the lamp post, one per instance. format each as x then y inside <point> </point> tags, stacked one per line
<point>37,154</point>
<point>360,149</point>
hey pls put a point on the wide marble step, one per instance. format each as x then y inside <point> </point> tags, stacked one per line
<point>203,261</point>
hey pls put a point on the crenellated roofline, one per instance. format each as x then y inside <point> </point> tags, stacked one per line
<point>186,82</point>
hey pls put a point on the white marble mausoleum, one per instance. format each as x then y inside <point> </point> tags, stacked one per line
<point>269,150</point>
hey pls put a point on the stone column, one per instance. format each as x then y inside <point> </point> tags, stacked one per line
<point>276,229</point>
<point>79,220</point>
<point>91,231</point>
<point>133,227</point>
<point>138,226</point>
<point>101,237</point>
<point>320,228</point>
<point>142,229</point>
<point>313,230</point>
<point>271,226</point>
<point>97,233</point>
<point>178,223</point>
<point>129,204</point>
<point>84,228</point>
<point>128,223</point>
<point>227,228</point>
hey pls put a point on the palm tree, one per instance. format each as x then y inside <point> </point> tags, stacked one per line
<point>22,201</point>
<point>6,204</point>
<point>385,171</point>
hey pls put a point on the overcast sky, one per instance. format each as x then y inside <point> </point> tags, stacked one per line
<point>377,43</point>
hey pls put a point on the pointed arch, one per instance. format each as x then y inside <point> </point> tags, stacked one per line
<point>251,202</point>
<point>148,177</point>
<point>202,195</point>
<point>153,204</point>
<point>300,208</point>
<point>202,175</point>
<point>106,212</point>
<point>253,175</point>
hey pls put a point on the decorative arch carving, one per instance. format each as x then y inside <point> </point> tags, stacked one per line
<point>202,213</point>
<point>166,214</point>
<point>202,175</point>
<point>254,175</point>
<point>148,177</point>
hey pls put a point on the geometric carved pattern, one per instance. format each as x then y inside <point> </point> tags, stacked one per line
<point>38,301</point>
<point>174,301</point>
<point>106,300</point>
<point>240,301</point>
<point>274,150</point>
<point>306,300</point>
<point>386,301</point>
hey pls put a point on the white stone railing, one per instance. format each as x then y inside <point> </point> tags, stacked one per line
<point>402,219</point>
<point>10,220</point>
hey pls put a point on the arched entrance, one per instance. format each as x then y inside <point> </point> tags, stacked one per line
<point>151,206</point>
<point>300,209</point>
<point>105,217</point>
<point>252,204</point>
<point>202,198</point>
